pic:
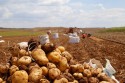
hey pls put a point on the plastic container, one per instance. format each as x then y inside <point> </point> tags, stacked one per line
<point>74,39</point>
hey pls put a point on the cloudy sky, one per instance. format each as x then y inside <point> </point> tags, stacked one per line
<point>79,13</point>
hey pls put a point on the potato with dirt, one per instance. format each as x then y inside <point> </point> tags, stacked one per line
<point>35,75</point>
<point>44,70</point>
<point>62,80</point>
<point>51,65</point>
<point>54,57</point>
<point>13,69</point>
<point>44,81</point>
<point>24,60</point>
<point>54,73</point>
<point>63,64</point>
<point>20,77</point>
<point>39,56</point>
<point>67,55</point>
<point>61,48</point>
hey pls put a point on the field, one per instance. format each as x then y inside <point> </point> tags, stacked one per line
<point>110,45</point>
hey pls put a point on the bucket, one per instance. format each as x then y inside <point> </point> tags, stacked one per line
<point>74,39</point>
<point>55,35</point>
<point>44,39</point>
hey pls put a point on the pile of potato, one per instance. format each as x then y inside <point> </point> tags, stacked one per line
<point>48,64</point>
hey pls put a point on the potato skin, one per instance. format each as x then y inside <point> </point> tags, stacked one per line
<point>93,80</point>
<point>1,80</point>
<point>61,48</point>
<point>24,60</point>
<point>35,75</point>
<point>62,80</point>
<point>63,64</point>
<point>54,73</point>
<point>51,65</point>
<point>20,77</point>
<point>67,55</point>
<point>54,57</point>
<point>44,70</point>
<point>13,69</point>
<point>40,56</point>
<point>87,73</point>
<point>44,81</point>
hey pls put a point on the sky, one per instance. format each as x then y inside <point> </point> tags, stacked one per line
<point>64,13</point>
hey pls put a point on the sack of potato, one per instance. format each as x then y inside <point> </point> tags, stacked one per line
<point>48,64</point>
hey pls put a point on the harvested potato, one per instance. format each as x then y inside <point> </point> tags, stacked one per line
<point>73,62</point>
<point>14,61</point>
<point>44,70</point>
<point>28,53</point>
<point>54,73</point>
<point>95,72</point>
<point>22,52</point>
<point>69,77</point>
<point>54,57</point>
<point>104,77</point>
<point>48,47</point>
<point>44,81</point>
<point>35,75</point>
<point>32,65</point>
<point>93,80</point>
<point>86,66</point>
<point>62,80</point>
<point>4,82</point>
<point>4,68</point>
<point>77,68</point>
<point>104,82</point>
<point>57,50</point>
<point>51,65</point>
<point>87,73</point>
<point>61,48</point>
<point>67,55</point>
<point>78,76</point>
<point>24,60</point>
<point>63,64</point>
<point>75,81</point>
<point>1,80</point>
<point>83,80</point>
<point>40,56</point>
<point>13,69</point>
<point>20,77</point>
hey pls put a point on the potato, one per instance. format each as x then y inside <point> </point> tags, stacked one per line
<point>44,81</point>
<point>48,47</point>
<point>13,69</point>
<point>40,56</point>
<point>57,50</point>
<point>93,80</point>
<point>4,82</point>
<point>63,64</point>
<point>54,73</point>
<point>61,48</point>
<point>104,77</point>
<point>28,53</point>
<point>51,65</point>
<point>20,77</point>
<point>69,77</point>
<point>4,68</point>
<point>67,55</point>
<point>77,68</point>
<point>87,73</point>
<point>86,66</point>
<point>95,72</point>
<point>44,70</point>
<point>54,57</point>
<point>1,80</point>
<point>62,80</point>
<point>104,82</point>
<point>22,52</point>
<point>14,61</point>
<point>83,80</point>
<point>78,76</point>
<point>73,62</point>
<point>35,75</point>
<point>24,60</point>
<point>75,81</point>
<point>32,65</point>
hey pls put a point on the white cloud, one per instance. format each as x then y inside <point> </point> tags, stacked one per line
<point>31,13</point>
